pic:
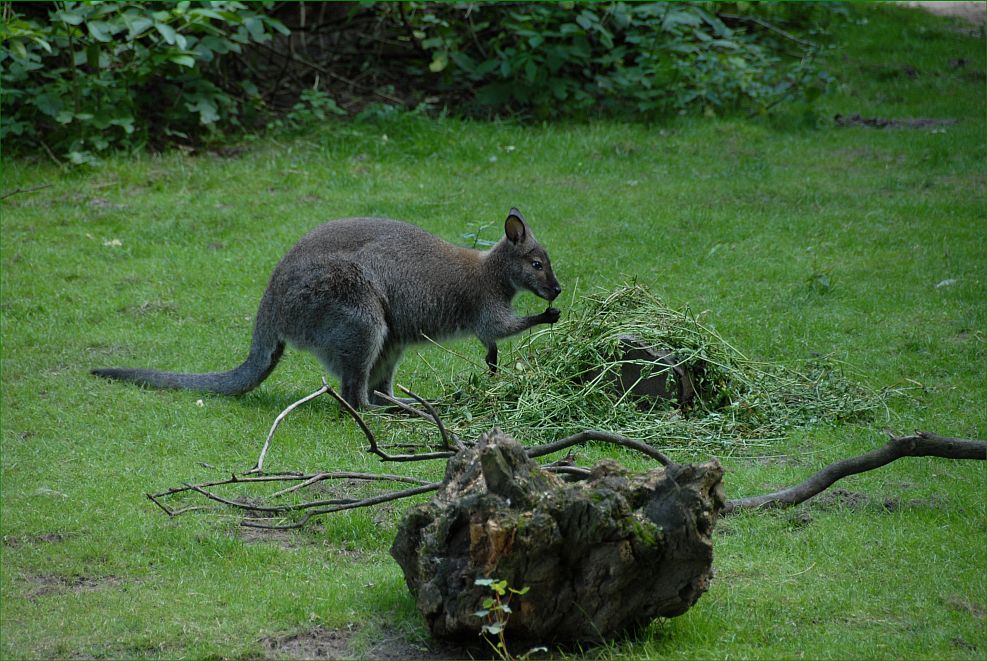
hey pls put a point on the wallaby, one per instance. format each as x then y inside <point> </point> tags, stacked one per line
<point>355,292</point>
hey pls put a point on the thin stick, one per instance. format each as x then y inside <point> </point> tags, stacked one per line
<point>454,353</point>
<point>51,154</point>
<point>347,476</point>
<point>259,467</point>
<point>376,500</point>
<point>431,416</point>
<point>360,422</point>
<point>25,190</point>
<point>233,479</point>
<point>402,405</point>
<point>288,477</point>
<point>374,448</point>
<point>438,421</point>
<point>594,435</point>
<point>921,444</point>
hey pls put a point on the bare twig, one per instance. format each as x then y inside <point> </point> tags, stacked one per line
<point>432,415</point>
<point>171,512</point>
<point>435,417</point>
<point>594,435</point>
<point>281,509</point>
<point>288,477</point>
<point>319,477</point>
<point>920,444</point>
<point>259,467</point>
<point>374,448</point>
<point>50,153</point>
<point>367,502</point>
<point>25,190</point>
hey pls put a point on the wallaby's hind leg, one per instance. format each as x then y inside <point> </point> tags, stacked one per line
<point>354,387</point>
<point>350,352</point>
<point>382,376</point>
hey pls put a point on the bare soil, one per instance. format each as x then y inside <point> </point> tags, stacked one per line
<point>46,584</point>
<point>322,643</point>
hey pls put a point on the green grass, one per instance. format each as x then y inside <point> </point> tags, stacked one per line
<point>738,218</point>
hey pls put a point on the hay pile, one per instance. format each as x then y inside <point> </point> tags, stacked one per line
<point>545,390</point>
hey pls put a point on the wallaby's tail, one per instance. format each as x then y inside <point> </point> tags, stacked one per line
<point>265,352</point>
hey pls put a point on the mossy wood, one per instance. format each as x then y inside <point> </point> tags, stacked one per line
<point>602,557</point>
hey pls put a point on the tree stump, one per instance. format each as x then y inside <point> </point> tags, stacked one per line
<point>668,378</point>
<point>601,557</point>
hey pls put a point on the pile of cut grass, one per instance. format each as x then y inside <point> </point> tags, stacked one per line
<point>560,380</point>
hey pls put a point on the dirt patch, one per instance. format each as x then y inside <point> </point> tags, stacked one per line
<point>964,604</point>
<point>46,538</point>
<point>398,647</point>
<point>857,121</point>
<point>288,539</point>
<point>317,643</point>
<point>151,308</point>
<point>855,501</point>
<point>933,502</point>
<point>47,584</point>
<point>322,643</point>
<point>842,499</point>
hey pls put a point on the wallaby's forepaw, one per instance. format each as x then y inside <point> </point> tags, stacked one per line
<point>550,315</point>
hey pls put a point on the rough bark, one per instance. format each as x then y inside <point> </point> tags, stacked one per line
<point>601,557</point>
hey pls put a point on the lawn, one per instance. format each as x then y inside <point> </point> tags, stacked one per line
<point>797,237</point>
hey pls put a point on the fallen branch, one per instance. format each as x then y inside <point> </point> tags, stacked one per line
<point>25,190</point>
<point>435,417</point>
<point>366,502</point>
<point>593,435</point>
<point>431,416</point>
<point>304,481</point>
<point>374,448</point>
<point>921,444</point>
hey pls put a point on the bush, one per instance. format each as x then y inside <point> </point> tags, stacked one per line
<point>85,77</point>
<point>655,58</point>
<point>81,78</point>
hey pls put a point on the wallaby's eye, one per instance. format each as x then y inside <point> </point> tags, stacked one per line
<point>537,265</point>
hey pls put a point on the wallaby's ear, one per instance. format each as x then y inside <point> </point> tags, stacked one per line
<point>514,227</point>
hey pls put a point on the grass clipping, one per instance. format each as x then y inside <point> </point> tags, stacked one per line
<point>546,390</point>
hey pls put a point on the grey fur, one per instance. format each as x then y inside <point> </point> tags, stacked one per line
<point>355,292</point>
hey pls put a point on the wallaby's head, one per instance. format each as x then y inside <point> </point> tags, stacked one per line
<point>528,263</point>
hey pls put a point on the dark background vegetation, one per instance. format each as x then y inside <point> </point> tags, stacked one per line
<point>81,79</point>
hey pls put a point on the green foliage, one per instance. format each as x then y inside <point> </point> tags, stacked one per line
<point>651,59</point>
<point>496,613</point>
<point>92,76</point>
<point>80,78</point>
